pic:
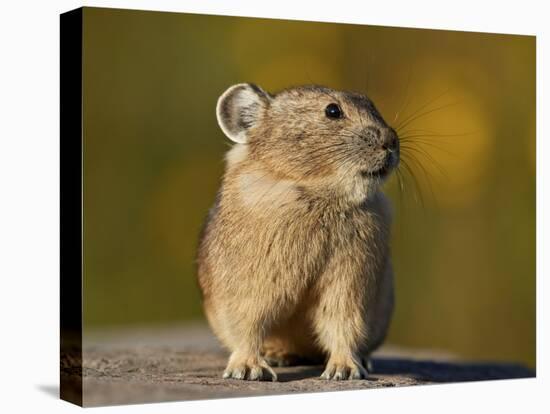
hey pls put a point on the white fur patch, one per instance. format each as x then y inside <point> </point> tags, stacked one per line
<point>259,189</point>
<point>236,154</point>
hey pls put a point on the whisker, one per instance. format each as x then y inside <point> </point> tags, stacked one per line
<point>435,163</point>
<point>417,192</point>
<point>406,98</point>
<point>408,144</point>
<point>427,176</point>
<point>399,185</point>
<point>409,121</point>
<point>431,101</point>
<point>401,192</point>
<point>437,135</point>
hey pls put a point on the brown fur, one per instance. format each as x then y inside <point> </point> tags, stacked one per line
<point>294,262</point>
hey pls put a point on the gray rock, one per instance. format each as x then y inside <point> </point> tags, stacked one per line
<point>178,363</point>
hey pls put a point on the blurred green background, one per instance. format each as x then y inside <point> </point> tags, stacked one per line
<point>464,235</point>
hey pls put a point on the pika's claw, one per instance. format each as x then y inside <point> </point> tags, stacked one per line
<point>358,372</point>
<point>256,373</point>
<point>328,373</point>
<point>252,369</point>
<point>347,369</point>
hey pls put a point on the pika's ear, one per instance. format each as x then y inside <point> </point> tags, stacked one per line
<point>239,108</point>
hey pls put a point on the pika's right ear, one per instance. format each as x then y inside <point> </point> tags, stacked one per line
<point>239,108</point>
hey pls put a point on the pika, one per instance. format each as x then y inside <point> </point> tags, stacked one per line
<point>294,261</point>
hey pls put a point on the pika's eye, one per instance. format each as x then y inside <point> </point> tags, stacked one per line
<point>333,111</point>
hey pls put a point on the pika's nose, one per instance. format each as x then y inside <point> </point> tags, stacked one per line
<point>390,142</point>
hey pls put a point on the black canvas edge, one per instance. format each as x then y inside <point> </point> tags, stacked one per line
<point>70,383</point>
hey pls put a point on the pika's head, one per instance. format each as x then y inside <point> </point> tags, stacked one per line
<point>323,139</point>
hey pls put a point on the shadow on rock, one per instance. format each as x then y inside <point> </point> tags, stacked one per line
<point>431,371</point>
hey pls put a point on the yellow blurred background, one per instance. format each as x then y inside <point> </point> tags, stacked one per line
<point>464,231</point>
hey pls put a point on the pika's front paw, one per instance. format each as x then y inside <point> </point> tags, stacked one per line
<point>252,369</point>
<point>341,369</point>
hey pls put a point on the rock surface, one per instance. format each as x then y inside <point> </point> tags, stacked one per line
<point>186,364</point>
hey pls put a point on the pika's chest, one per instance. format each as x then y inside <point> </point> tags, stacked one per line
<point>288,245</point>
<point>351,229</point>
<point>313,242</point>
